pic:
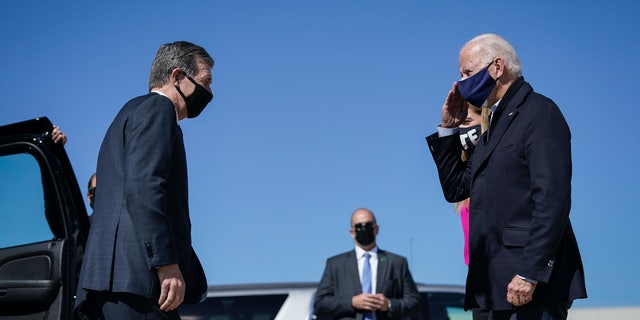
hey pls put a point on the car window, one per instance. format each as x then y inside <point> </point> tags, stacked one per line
<point>253,307</point>
<point>444,306</point>
<point>22,204</point>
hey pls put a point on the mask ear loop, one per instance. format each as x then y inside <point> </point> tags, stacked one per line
<point>487,116</point>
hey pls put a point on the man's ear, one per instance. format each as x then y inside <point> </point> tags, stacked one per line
<point>176,74</point>
<point>499,67</point>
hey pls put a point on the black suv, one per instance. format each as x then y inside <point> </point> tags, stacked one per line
<point>43,224</point>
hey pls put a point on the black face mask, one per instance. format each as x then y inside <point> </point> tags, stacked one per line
<point>469,137</point>
<point>92,196</point>
<point>197,101</point>
<point>364,234</point>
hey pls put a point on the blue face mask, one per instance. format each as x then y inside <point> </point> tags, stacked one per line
<point>476,89</point>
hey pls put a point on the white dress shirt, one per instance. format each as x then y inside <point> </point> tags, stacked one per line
<point>373,261</point>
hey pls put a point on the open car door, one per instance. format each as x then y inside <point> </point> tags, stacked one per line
<point>43,224</point>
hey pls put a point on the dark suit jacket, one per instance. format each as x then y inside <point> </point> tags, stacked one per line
<point>341,281</point>
<point>519,182</point>
<point>141,218</point>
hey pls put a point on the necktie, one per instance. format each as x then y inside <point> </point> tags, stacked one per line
<point>366,282</point>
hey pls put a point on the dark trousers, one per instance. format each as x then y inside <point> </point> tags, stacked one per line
<point>103,305</point>
<point>532,312</point>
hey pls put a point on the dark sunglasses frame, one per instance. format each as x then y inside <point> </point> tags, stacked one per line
<point>363,225</point>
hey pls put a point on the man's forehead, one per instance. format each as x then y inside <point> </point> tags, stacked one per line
<point>201,65</point>
<point>470,63</point>
<point>362,216</point>
<point>203,72</point>
<point>203,69</point>
<point>469,59</point>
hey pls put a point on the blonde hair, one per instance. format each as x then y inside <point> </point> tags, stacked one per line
<point>458,205</point>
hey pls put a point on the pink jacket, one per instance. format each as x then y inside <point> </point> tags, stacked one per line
<point>464,218</point>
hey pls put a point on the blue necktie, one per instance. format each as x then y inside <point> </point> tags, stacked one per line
<point>366,282</point>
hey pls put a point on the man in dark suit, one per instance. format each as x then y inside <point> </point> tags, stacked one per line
<point>524,258</point>
<point>392,292</point>
<point>139,263</point>
<point>91,191</point>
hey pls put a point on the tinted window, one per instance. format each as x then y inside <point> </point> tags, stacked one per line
<point>22,205</point>
<point>258,307</point>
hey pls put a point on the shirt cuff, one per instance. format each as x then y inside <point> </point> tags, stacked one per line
<point>527,280</point>
<point>445,132</point>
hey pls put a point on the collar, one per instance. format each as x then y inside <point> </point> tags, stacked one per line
<point>495,106</point>
<point>360,252</point>
<point>511,91</point>
<point>164,95</point>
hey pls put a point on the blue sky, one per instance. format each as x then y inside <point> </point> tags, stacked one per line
<point>322,107</point>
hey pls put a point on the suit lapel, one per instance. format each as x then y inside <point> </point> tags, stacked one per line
<point>352,272</point>
<point>491,139</point>
<point>383,264</point>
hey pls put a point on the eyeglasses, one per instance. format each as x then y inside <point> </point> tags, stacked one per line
<point>363,225</point>
<point>92,191</point>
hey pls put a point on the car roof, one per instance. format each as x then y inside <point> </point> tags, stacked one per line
<point>261,288</point>
<point>440,287</point>
<point>285,287</point>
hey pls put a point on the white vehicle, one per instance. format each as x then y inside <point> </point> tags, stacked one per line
<point>294,301</point>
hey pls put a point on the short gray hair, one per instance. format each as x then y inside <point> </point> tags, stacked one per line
<point>179,54</point>
<point>492,46</point>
